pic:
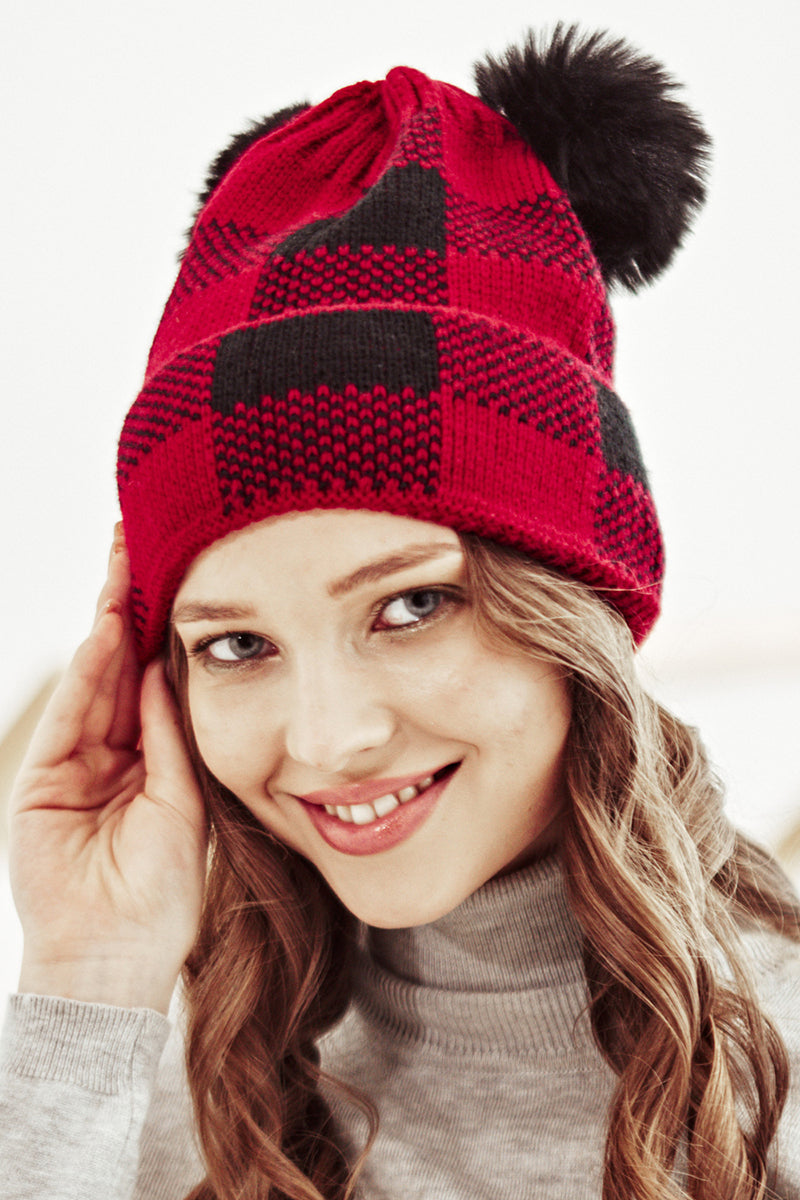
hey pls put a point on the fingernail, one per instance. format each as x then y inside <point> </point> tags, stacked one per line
<point>119,539</point>
<point>112,606</point>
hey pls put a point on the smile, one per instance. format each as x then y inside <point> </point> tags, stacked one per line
<point>377,818</point>
<point>365,814</point>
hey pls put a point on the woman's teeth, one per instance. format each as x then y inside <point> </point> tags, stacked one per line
<point>363,814</point>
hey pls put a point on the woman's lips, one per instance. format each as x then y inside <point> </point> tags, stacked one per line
<point>375,815</point>
<point>367,791</point>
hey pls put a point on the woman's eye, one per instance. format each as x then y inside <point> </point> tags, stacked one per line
<point>411,608</point>
<point>235,647</point>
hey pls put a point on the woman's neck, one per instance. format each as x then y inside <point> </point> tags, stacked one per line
<point>517,931</point>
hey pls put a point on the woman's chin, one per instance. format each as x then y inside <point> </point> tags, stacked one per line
<point>403,915</point>
<point>402,903</point>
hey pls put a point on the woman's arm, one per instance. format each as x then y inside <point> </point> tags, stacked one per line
<point>93,1104</point>
<point>107,857</point>
<point>108,836</point>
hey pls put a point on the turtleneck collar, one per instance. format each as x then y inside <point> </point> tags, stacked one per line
<point>501,973</point>
<point>517,931</point>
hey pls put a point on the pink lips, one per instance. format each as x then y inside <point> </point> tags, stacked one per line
<point>383,833</point>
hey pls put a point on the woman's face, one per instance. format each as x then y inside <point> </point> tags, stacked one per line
<point>338,686</point>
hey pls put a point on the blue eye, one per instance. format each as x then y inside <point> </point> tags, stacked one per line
<point>411,607</point>
<point>235,647</point>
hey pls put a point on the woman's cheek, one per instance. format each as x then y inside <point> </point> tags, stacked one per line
<point>224,739</point>
<point>435,671</point>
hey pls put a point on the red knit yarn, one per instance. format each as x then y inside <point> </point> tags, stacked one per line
<point>388,304</point>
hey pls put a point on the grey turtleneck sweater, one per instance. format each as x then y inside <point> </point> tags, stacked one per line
<point>469,1034</point>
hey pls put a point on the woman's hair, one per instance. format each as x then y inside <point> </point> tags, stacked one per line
<point>659,880</point>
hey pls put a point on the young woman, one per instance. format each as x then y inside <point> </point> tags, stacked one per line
<point>457,908</point>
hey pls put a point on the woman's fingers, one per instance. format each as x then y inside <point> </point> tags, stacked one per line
<point>115,585</point>
<point>126,729</point>
<point>112,708</point>
<point>115,718</point>
<point>114,715</point>
<point>102,714</point>
<point>64,722</point>
<point>170,776</point>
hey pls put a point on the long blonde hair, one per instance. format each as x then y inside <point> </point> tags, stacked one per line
<point>659,880</point>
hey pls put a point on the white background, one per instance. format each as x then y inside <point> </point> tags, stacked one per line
<point>112,112</point>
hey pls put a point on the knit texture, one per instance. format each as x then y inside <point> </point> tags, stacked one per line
<point>472,1037</point>
<point>470,1034</point>
<point>387,303</point>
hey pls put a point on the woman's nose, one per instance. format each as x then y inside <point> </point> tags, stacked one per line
<point>336,714</point>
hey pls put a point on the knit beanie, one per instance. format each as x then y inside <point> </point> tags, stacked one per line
<point>396,300</point>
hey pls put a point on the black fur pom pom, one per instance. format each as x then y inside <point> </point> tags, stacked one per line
<point>241,142</point>
<point>603,119</point>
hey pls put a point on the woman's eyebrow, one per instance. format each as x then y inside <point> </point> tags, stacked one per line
<point>400,560</point>
<point>193,610</point>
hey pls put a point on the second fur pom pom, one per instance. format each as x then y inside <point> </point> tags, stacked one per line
<point>605,121</point>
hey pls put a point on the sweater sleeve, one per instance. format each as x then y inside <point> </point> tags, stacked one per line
<point>92,1104</point>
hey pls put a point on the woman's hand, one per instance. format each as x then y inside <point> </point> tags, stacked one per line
<point>108,831</point>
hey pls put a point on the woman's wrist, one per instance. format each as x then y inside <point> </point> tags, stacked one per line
<point>122,982</point>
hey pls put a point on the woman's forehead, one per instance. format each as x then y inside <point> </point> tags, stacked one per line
<point>342,544</point>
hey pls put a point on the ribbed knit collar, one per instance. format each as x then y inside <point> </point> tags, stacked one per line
<point>502,972</point>
<point>517,931</point>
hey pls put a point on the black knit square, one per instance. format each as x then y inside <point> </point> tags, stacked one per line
<point>394,349</point>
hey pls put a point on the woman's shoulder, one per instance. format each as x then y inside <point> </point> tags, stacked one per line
<point>775,963</point>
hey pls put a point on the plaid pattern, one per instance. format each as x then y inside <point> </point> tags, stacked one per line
<point>387,303</point>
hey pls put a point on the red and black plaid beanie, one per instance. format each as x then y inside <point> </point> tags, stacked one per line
<point>396,300</point>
